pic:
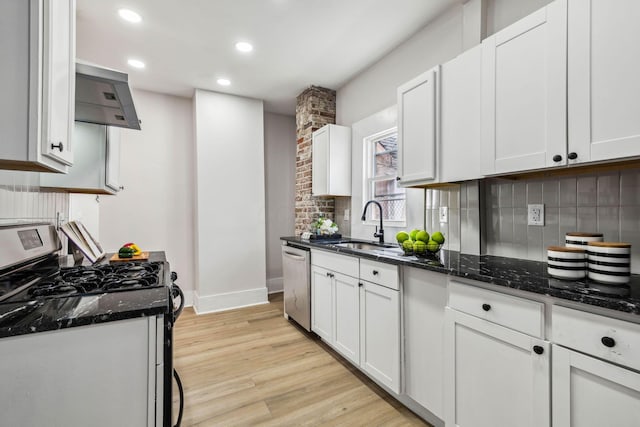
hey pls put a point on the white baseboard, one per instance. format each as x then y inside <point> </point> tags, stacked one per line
<point>228,301</point>
<point>275,284</point>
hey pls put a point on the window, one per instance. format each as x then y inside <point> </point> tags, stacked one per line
<point>381,170</point>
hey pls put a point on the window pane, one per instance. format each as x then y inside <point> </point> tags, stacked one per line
<point>386,164</point>
<point>388,187</point>
<point>381,179</point>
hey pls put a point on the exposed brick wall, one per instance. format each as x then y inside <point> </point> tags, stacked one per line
<point>315,107</point>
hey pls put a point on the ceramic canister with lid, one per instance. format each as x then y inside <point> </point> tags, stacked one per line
<point>566,263</point>
<point>609,262</point>
<point>580,240</point>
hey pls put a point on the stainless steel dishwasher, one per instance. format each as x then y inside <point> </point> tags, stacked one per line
<point>296,272</point>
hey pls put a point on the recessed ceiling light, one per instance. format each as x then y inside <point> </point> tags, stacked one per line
<point>224,82</point>
<point>136,63</point>
<point>129,15</point>
<point>244,47</point>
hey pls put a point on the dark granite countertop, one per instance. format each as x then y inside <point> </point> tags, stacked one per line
<point>57,313</point>
<point>529,276</point>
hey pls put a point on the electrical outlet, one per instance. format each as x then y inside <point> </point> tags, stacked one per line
<point>444,214</point>
<point>535,214</point>
<point>347,213</point>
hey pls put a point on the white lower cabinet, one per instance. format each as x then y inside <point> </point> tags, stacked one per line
<point>588,388</point>
<point>347,316</point>
<point>589,392</point>
<point>380,334</point>
<point>358,318</point>
<point>494,375</point>
<point>424,300</point>
<point>322,303</point>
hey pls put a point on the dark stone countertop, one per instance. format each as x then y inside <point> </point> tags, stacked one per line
<point>524,275</point>
<point>20,318</point>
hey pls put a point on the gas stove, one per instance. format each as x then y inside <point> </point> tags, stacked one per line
<point>38,293</point>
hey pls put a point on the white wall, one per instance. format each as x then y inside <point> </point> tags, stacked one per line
<point>86,209</point>
<point>155,209</point>
<point>280,178</point>
<point>375,88</point>
<point>230,202</point>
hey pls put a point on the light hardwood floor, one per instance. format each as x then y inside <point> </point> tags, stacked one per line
<point>252,367</point>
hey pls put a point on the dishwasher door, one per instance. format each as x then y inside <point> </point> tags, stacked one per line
<point>296,271</point>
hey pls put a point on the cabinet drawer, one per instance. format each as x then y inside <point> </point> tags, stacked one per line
<point>380,273</point>
<point>600,336</point>
<point>512,312</point>
<point>339,263</point>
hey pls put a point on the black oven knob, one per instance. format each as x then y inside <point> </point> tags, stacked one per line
<point>174,276</point>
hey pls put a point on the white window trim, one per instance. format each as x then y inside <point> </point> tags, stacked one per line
<point>368,171</point>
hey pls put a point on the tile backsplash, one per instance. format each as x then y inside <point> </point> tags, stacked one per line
<point>448,197</point>
<point>22,201</point>
<point>607,202</point>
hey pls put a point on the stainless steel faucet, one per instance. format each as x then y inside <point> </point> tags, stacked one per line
<point>378,234</point>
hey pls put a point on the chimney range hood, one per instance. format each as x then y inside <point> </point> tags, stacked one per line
<point>103,97</point>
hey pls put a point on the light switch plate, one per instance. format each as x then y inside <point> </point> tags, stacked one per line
<point>444,214</point>
<point>535,215</point>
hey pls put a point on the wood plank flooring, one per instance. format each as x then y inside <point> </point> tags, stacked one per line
<point>252,367</point>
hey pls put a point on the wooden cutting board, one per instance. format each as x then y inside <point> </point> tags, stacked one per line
<point>144,256</point>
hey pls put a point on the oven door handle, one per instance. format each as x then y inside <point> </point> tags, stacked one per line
<point>177,292</point>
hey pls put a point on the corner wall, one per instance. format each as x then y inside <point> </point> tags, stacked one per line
<point>230,202</point>
<point>280,176</point>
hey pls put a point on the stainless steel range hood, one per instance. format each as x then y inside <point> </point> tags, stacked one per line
<point>103,97</point>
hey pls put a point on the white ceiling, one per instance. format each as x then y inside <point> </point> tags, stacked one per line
<point>297,43</point>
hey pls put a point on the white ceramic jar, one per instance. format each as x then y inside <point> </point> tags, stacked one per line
<point>566,263</point>
<point>609,262</point>
<point>580,240</point>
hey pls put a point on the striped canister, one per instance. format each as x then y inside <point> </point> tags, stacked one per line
<point>580,240</point>
<point>609,262</point>
<point>566,263</point>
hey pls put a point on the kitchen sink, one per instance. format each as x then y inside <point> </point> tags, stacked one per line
<point>364,246</point>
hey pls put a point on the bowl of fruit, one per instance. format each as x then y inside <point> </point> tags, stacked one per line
<point>420,243</point>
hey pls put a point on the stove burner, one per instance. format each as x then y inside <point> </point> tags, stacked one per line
<point>98,279</point>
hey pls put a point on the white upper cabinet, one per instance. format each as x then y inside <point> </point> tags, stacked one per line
<point>96,165</point>
<point>603,70</point>
<point>331,161</point>
<point>417,130</point>
<point>37,79</point>
<point>460,107</point>
<point>524,93</point>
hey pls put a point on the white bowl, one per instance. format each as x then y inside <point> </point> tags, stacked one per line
<point>580,240</point>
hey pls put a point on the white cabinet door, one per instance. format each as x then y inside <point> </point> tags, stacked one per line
<point>417,148</point>
<point>58,79</point>
<point>460,108</point>
<point>112,178</point>
<point>320,162</point>
<point>347,317</point>
<point>380,334</point>
<point>588,392</point>
<point>524,93</point>
<point>331,161</point>
<point>424,300</point>
<point>321,303</point>
<point>603,70</point>
<point>494,376</point>
<point>37,82</point>
<point>97,375</point>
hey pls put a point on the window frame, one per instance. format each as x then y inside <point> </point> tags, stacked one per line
<point>368,179</point>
